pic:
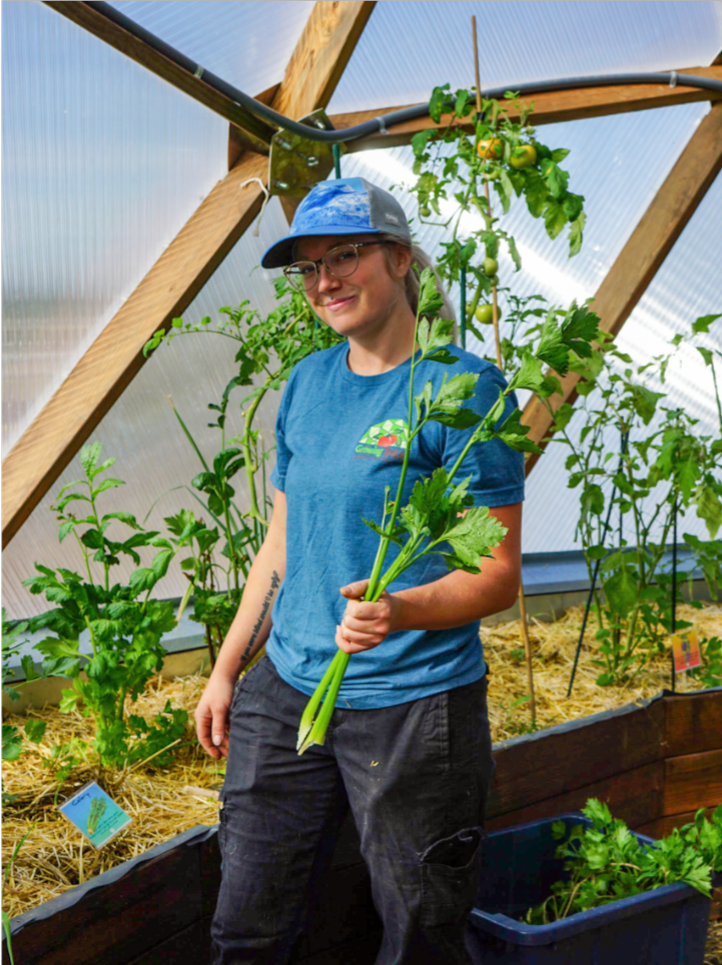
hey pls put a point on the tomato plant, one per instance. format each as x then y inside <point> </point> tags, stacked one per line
<point>266,351</point>
<point>667,469</point>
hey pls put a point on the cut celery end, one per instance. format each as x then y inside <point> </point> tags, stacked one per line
<point>314,731</point>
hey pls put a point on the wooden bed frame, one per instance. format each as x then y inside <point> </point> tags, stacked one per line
<point>655,765</point>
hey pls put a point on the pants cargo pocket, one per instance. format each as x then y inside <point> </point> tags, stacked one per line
<point>450,877</point>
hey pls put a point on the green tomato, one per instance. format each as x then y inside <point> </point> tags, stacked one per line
<point>523,156</point>
<point>491,266</point>
<point>425,211</point>
<point>485,314</point>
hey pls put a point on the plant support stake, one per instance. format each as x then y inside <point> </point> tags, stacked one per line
<point>495,316</point>
<point>674,589</point>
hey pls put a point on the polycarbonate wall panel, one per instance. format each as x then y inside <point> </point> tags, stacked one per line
<point>247,44</point>
<point>604,167</point>
<point>688,285</point>
<point>408,48</point>
<point>153,455</point>
<point>102,164</point>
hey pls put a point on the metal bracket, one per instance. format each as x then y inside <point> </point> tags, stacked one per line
<point>296,164</point>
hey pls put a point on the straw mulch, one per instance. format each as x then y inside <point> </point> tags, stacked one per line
<point>713,949</point>
<point>55,857</point>
<point>553,646</point>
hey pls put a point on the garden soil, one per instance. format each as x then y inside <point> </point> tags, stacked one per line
<point>162,801</point>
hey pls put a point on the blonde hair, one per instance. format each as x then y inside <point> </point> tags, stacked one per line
<point>419,261</point>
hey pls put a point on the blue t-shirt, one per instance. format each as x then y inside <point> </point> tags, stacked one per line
<point>340,441</point>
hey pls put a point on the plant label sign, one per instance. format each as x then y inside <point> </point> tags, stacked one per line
<point>95,814</point>
<point>687,655</point>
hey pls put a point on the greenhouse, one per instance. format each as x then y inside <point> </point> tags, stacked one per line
<point>302,302</point>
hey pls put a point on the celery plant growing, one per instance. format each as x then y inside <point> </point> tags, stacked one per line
<point>440,516</point>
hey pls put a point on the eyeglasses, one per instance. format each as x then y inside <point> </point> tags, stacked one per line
<point>340,262</point>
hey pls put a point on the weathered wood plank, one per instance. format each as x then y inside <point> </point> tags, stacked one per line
<point>118,922</point>
<point>638,262</point>
<point>193,944</point>
<point>694,722</point>
<point>692,782</point>
<point>257,133</point>
<point>572,756</point>
<point>634,796</point>
<point>321,55</point>
<point>663,825</point>
<point>549,108</point>
<point>106,369</point>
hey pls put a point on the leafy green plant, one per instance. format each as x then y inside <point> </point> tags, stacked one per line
<point>710,673</point>
<point>266,351</point>
<point>452,164</point>
<point>124,622</point>
<point>63,758</point>
<point>666,470</point>
<point>607,863</point>
<point>6,872</point>
<point>440,516</point>
<point>12,739</point>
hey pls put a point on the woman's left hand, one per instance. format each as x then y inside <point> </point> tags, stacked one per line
<point>366,625</point>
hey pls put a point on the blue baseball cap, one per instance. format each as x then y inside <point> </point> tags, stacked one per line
<point>344,206</point>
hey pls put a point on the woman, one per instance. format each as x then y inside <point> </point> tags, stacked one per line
<point>408,747</point>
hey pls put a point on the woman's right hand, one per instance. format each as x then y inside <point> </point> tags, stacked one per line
<point>212,715</point>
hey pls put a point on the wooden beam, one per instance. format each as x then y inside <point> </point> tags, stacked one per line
<point>257,132</point>
<point>640,259</point>
<point>316,65</point>
<point>111,362</point>
<point>549,108</point>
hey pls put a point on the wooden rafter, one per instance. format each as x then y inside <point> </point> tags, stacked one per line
<point>109,365</point>
<point>650,243</point>
<point>550,108</point>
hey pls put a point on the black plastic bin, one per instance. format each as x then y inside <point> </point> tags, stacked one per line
<point>665,926</point>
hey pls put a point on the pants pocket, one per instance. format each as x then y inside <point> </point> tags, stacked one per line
<point>450,877</point>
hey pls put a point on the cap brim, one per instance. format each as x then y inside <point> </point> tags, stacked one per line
<point>281,254</point>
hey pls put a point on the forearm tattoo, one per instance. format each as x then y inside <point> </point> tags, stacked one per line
<point>267,600</point>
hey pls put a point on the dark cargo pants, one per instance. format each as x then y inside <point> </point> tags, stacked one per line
<point>416,777</point>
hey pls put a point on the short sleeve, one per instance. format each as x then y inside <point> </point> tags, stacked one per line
<point>497,471</point>
<point>283,453</point>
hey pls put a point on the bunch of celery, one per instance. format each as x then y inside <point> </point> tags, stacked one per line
<point>438,512</point>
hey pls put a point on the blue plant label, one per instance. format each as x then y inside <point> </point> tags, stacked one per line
<point>95,814</point>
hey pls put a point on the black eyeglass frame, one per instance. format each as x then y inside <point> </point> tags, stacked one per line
<point>288,270</point>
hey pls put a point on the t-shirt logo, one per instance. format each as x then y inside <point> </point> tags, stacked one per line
<point>385,440</point>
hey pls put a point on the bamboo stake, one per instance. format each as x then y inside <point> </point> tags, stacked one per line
<point>497,340</point>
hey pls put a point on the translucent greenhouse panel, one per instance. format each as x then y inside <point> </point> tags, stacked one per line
<point>686,287</point>
<point>153,455</point>
<point>408,48</point>
<point>102,164</point>
<point>604,167</point>
<point>247,44</point>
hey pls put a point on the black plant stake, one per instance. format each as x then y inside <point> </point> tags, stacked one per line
<point>624,439</point>
<point>462,308</point>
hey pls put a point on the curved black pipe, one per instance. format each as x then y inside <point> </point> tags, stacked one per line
<point>395,117</point>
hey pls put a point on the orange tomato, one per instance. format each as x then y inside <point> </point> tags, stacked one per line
<point>490,148</point>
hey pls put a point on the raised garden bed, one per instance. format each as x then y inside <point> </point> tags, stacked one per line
<point>158,907</point>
